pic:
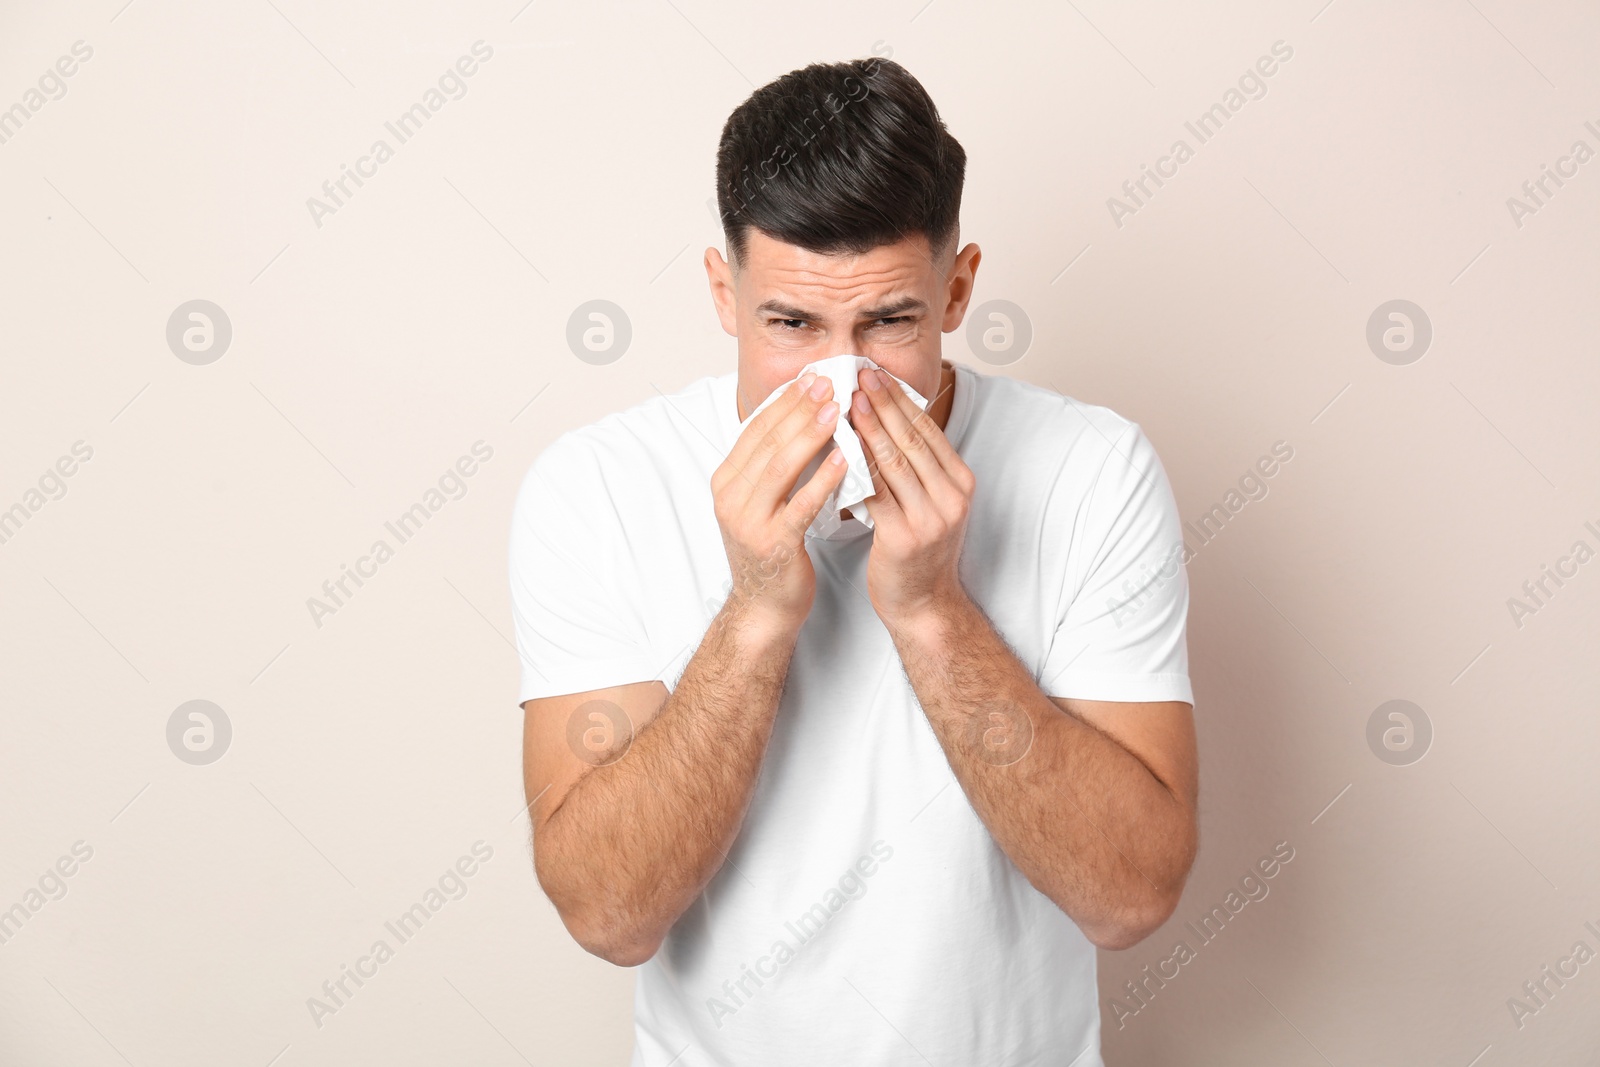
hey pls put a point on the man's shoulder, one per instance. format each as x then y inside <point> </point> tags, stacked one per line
<point>1043,422</point>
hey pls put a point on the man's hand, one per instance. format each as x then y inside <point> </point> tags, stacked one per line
<point>1114,782</point>
<point>624,845</point>
<point>922,497</point>
<point>763,530</point>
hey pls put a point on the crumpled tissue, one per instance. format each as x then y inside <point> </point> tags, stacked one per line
<point>856,487</point>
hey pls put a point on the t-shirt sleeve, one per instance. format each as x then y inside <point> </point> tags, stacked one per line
<point>576,630</point>
<point>1120,630</point>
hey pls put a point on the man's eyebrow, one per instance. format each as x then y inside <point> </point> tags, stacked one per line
<point>899,307</point>
<point>782,310</point>
<point>789,311</point>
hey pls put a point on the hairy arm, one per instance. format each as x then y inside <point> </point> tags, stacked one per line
<point>1094,801</point>
<point>625,839</point>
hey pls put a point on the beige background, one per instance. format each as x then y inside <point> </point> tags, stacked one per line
<point>429,313</point>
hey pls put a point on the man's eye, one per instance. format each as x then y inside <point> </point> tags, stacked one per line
<point>789,324</point>
<point>897,320</point>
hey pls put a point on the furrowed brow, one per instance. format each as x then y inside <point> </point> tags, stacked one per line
<point>887,311</point>
<point>899,307</point>
<point>783,311</point>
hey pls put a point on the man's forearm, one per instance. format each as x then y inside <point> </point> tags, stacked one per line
<point>1085,820</point>
<point>634,842</point>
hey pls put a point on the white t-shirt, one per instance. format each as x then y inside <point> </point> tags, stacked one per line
<point>865,914</point>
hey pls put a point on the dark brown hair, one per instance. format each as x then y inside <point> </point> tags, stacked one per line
<point>839,157</point>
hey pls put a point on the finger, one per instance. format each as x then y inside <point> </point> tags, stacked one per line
<point>911,429</point>
<point>789,447</point>
<point>886,458</point>
<point>779,447</point>
<point>803,509</point>
<point>886,510</point>
<point>755,431</point>
<point>938,442</point>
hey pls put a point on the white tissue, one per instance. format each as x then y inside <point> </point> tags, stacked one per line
<point>856,487</point>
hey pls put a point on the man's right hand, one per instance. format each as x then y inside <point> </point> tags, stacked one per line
<point>763,529</point>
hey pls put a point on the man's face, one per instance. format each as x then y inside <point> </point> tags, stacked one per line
<point>789,307</point>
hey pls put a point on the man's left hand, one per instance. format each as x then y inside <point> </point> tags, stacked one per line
<point>922,495</point>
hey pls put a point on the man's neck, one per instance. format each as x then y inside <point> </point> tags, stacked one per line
<point>944,399</point>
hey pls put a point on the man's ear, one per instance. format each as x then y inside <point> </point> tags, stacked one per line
<point>723,293</point>
<point>962,273</point>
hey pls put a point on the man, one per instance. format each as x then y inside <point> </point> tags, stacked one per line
<point>873,797</point>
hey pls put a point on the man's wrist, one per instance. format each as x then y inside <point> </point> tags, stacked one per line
<point>757,634</point>
<point>933,624</point>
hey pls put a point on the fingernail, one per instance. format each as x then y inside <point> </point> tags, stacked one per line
<point>862,404</point>
<point>819,388</point>
<point>873,380</point>
<point>806,379</point>
<point>827,412</point>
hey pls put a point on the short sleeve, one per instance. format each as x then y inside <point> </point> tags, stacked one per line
<point>576,630</point>
<point>1120,630</point>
